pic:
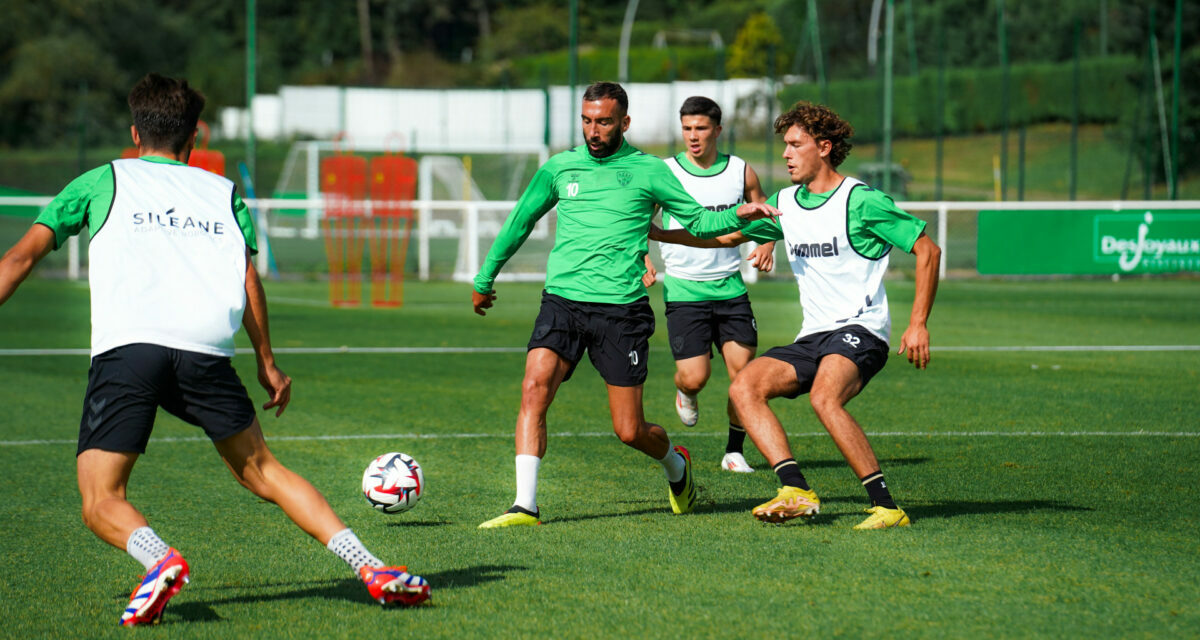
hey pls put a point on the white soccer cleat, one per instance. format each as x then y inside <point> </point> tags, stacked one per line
<point>687,407</point>
<point>736,463</point>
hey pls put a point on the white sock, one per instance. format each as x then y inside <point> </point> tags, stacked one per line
<point>146,547</point>
<point>347,547</point>
<point>674,464</point>
<point>527,477</point>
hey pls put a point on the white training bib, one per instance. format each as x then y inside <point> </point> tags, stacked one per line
<point>838,286</point>
<point>716,192</point>
<point>168,267</point>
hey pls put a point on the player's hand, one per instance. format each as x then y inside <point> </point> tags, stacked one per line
<point>651,275</point>
<point>278,384</point>
<point>763,257</point>
<point>482,301</point>
<point>915,345</point>
<point>757,211</point>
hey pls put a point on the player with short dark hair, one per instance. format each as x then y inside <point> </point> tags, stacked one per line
<point>838,233</point>
<point>171,279</point>
<point>594,300</point>
<point>707,303</point>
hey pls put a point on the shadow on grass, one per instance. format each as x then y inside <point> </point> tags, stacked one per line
<point>955,508</point>
<point>420,523</point>
<point>949,509</point>
<point>838,463</point>
<point>347,589</point>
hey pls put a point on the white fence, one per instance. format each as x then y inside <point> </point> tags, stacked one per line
<point>468,228</point>
<point>475,117</point>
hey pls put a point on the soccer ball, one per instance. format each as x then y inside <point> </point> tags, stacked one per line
<point>393,483</point>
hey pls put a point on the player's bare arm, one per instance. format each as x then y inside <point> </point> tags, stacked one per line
<point>482,301</point>
<point>651,275</point>
<point>763,256</point>
<point>681,236</point>
<point>915,342</point>
<point>254,319</point>
<point>19,261</point>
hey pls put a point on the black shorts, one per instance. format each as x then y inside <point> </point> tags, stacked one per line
<point>864,348</point>
<point>616,336</point>
<point>127,385</point>
<point>695,326</point>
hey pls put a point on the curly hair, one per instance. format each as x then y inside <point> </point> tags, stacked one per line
<point>821,123</point>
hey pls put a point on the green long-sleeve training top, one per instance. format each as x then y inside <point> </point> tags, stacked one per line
<point>604,211</point>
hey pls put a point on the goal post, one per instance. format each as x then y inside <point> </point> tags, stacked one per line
<point>455,186</point>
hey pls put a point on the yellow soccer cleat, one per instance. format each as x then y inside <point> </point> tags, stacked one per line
<point>512,519</point>
<point>790,502</point>
<point>883,518</point>
<point>686,500</point>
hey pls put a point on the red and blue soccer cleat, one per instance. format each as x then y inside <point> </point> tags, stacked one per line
<point>164,580</point>
<point>394,585</point>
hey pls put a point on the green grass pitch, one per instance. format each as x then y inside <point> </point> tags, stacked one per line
<point>1052,492</point>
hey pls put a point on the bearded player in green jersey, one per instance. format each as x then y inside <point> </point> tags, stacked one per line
<point>594,300</point>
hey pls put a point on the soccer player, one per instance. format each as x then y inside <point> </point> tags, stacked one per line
<point>171,279</point>
<point>706,300</point>
<point>838,233</point>
<point>594,299</point>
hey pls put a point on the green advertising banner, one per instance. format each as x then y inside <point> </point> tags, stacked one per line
<point>1088,242</point>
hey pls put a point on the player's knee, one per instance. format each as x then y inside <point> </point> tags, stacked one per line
<point>92,511</point>
<point>261,477</point>
<point>744,393</point>
<point>535,390</point>
<point>824,403</point>
<point>88,514</point>
<point>691,383</point>
<point>629,434</point>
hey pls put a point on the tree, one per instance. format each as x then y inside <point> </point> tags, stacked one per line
<point>750,53</point>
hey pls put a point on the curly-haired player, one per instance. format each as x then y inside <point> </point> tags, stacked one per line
<point>838,233</point>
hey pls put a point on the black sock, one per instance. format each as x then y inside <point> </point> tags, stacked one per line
<point>877,489</point>
<point>737,439</point>
<point>519,509</point>
<point>789,474</point>
<point>678,487</point>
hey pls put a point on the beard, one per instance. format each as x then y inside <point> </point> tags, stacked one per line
<point>609,147</point>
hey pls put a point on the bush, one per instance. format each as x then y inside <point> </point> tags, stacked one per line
<point>646,64</point>
<point>1037,93</point>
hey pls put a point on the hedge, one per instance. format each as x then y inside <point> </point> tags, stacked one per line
<point>973,97</point>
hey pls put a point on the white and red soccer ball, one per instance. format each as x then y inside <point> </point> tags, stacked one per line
<point>393,483</point>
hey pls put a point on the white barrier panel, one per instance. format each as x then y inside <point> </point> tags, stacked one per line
<point>476,234</point>
<point>467,117</point>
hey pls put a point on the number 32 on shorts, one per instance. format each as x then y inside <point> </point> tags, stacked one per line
<point>851,340</point>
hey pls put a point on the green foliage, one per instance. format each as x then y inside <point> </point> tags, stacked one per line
<point>1037,93</point>
<point>647,65</point>
<point>523,31</point>
<point>751,52</point>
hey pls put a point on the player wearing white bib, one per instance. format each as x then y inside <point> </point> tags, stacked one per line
<point>838,233</point>
<point>706,299</point>
<point>171,279</point>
